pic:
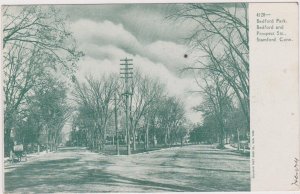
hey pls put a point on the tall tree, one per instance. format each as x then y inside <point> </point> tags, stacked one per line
<point>222,40</point>
<point>171,115</point>
<point>217,102</point>
<point>36,43</point>
<point>49,108</point>
<point>95,98</point>
<point>145,91</point>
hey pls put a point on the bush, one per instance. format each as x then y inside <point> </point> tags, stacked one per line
<point>220,146</point>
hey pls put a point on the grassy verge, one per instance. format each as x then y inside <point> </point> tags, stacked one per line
<point>111,149</point>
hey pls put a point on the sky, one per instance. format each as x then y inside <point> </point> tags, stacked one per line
<point>143,32</point>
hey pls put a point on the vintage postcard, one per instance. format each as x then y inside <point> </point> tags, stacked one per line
<point>150,97</point>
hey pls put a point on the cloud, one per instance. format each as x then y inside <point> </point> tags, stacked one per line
<point>106,33</point>
<point>174,56</point>
<point>147,22</point>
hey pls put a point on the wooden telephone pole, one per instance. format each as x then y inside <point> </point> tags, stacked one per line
<point>126,74</point>
<point>116,125</point>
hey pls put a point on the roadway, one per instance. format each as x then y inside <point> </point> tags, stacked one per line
<point>189,168</point>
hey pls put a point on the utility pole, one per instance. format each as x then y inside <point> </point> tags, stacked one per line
<point>116,124</point>
<point>126,74</point>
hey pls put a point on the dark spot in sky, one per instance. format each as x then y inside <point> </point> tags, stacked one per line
<point>185,56</point>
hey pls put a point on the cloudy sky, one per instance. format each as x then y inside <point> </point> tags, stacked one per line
<point>108,33</point>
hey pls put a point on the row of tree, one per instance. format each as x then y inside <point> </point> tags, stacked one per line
<point>222,69</point>
<point>38,54</point>
<point>154,116</point>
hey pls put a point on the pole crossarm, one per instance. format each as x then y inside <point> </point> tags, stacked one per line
<point>126,59</point>
<point>126,72</point>
<point>126,77</point>
<point>126,64</point>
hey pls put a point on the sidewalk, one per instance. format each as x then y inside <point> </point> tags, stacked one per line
<point>228,146</point>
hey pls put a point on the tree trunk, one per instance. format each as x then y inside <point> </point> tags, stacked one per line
<point>7,142</point>
<point>116,124</point>
<point>118,150</point>
<point>147,137</point>
<point>93,144</point>
<point>133,138</point>
<point>222,138</point>
<point>104,137</point>
<point>145,140</point>
<point>238,138</point>
<point>166,139</point>
<point>47,141</point>
<point>100,145</point>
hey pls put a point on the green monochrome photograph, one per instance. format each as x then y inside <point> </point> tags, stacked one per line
<point>126,97</point>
